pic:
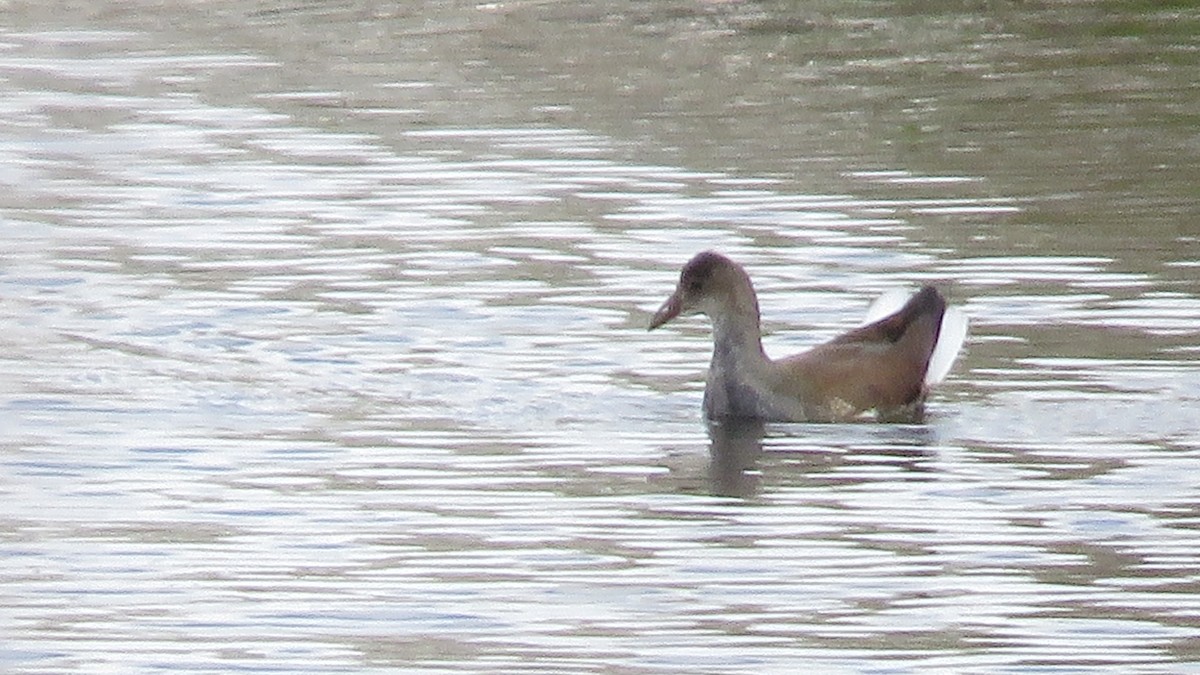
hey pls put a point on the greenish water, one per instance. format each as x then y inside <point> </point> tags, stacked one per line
<point>325,344</point>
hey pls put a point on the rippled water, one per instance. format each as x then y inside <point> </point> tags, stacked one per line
<point>325,344</point>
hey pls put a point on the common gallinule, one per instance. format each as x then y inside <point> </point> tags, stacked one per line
<point>886,366</point>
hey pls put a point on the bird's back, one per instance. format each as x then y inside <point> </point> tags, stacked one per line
<point>880,366</point>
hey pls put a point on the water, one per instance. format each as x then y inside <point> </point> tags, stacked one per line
<point>325,344</point>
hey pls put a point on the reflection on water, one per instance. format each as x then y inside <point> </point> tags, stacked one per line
<point>735,453</point>
<point>324,342</point>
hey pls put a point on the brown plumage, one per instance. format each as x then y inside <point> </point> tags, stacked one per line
<point>878,367</point>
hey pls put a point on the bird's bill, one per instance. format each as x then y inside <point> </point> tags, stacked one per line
<point>669,310</point>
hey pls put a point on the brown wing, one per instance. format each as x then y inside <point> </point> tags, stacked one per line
<point>879,365</point>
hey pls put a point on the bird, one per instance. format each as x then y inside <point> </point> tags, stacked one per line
<point>885,367</point>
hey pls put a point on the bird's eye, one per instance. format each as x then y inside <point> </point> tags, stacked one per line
<point>695,285</point>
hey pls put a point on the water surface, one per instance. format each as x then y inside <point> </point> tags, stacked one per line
<point>325,340</point>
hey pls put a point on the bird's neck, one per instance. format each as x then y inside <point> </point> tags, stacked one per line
<point>739,368</point>
<point>738,357</point>
<point>737,326</point>
<point>737,337</point>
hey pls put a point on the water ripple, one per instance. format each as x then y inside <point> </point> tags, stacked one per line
<point>283,393</point>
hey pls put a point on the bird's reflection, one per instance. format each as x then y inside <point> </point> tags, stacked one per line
<point>735,450</point>
<point>738,462</point>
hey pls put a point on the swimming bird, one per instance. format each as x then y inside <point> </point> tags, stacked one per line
<point>886,366</point>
